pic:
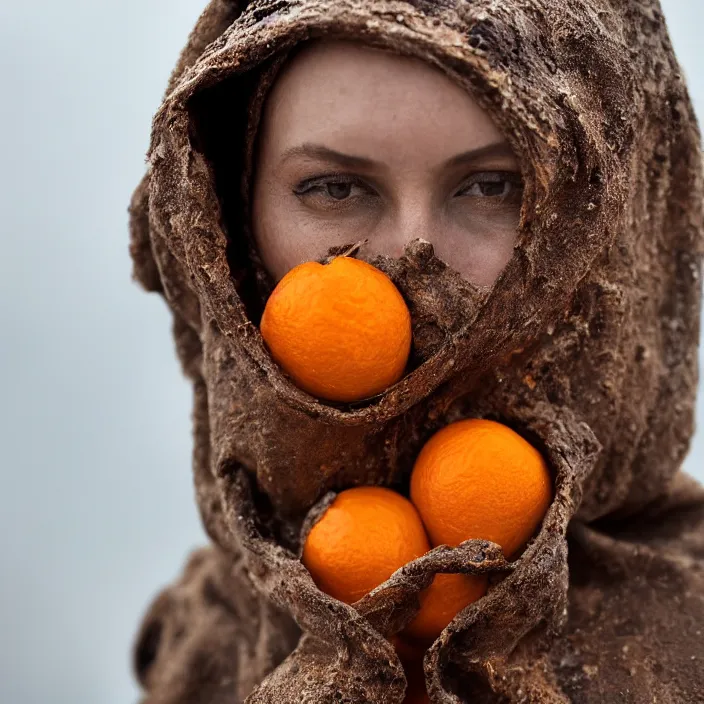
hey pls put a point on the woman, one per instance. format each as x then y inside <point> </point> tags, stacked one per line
<point>530,179</point>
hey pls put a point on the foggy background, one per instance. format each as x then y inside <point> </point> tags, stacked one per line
<point>96,501</point>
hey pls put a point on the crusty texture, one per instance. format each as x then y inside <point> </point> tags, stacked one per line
<point>587,345</point>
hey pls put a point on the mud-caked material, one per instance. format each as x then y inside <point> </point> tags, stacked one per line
<point>586,345</point>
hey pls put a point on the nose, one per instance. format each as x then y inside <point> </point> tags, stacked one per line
<point>394,232</point>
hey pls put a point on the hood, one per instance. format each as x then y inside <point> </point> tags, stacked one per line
<point>586,344</point>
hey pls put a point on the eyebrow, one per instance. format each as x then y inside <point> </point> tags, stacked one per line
<point>319,151</point>
<point>490,150</point>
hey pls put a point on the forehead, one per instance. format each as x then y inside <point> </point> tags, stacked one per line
<point>339,90</point>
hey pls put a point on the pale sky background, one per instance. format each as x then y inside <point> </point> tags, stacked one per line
<point>96,506</point>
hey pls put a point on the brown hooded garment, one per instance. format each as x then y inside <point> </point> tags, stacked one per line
<point>586,345</point>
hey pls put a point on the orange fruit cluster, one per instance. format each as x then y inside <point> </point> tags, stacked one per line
<point>472,479</point>
<point>341,331</point>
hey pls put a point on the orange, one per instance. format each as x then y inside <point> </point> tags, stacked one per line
<point>341,331</point>
<point>366,534</point>
<point>442,601</point>
<point>480,479</point>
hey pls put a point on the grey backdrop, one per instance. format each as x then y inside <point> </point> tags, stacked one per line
<point>96,505</point>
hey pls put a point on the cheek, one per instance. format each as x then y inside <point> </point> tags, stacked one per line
<point>272,234</point>
<point>276,236</point>
<point>285,235</point>
<point>479,253</point>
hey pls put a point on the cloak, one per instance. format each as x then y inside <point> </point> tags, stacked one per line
<point>586,345</point>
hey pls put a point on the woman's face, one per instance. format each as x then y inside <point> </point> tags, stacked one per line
<point>357,143</point>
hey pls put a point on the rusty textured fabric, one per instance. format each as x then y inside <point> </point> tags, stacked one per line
<point>586,344</point>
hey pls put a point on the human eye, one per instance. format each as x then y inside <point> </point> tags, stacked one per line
<point>499,186</point>
<point>332,190</point>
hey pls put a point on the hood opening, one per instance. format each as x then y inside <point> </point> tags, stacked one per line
<point>220,123</point>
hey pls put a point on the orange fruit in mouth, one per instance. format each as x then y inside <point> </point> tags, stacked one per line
<point>341,331</point>
<point>366,534</point>
<point>480,479</point>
